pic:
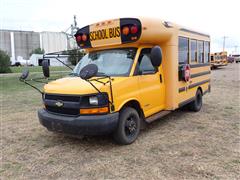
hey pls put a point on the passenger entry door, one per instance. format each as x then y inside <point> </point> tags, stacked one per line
<point>152,91</point>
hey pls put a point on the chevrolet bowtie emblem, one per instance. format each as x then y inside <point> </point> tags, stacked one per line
<point>59,104</point>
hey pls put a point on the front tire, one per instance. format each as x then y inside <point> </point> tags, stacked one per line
<point>196,105</point>
<point>128,126</point>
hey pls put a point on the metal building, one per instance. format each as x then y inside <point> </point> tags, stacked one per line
<point>25,42</point>
<point>20,44</point>
<point>53,41</point>
<point>5,41</point>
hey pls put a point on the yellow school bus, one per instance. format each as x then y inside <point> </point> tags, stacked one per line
<point>224,58</point>
<point>136,70</point>
<point>218,59</point>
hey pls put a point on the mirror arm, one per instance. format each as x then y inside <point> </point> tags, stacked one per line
<point>112,103</point>
<point>64,63</point>
<point>31,86</point>
<point>93,86</point>
<point>99,81</point>
<point>37,80</point>
<point>110,81</point>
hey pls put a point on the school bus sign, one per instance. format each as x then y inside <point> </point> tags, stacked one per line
<point>107,33</point>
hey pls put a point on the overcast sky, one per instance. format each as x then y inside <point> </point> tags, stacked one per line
<point>216,17</point>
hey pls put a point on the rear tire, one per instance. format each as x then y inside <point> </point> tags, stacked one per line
<point>128,126</point>
<point>196,105</point>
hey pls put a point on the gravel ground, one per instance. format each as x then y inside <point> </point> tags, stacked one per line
<point>182,145</point>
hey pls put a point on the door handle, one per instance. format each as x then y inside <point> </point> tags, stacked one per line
<point>160,78</point>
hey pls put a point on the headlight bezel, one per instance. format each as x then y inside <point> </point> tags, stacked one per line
<point>102,100</point>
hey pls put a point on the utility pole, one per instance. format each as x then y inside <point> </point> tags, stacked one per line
<point>74,27</point>
<point>224,39</point>
<point>236,47</point>
<point>69,32</point>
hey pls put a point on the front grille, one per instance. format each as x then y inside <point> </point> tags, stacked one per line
<point>63,98</point>
<point>69,104</point>
<point>66,111</point>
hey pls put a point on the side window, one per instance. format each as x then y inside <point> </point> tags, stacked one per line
<point>183,50</point>
<point>206,51</point>
<point>144,63</point>
<point>193,50</point>
<point>212,58</point>
<point>200,52</point>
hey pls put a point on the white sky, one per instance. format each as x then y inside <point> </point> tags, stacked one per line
<point>216,17</point>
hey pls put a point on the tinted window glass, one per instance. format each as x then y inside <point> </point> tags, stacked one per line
<point>200,51</point>
<point>193,50</point>
<point>144,63</point>
<point>206,51</point>
<point>182,50</point>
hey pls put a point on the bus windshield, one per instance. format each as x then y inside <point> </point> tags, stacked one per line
<point>111,62</point>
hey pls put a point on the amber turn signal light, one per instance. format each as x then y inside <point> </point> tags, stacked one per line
<point>125,30</point>
<point>101,110</point>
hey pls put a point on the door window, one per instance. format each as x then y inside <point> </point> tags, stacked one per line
<point>144,65</point>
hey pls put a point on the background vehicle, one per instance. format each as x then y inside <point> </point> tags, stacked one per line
<point>230,59</point>
<point>218,59</point>
<point>236,58</point>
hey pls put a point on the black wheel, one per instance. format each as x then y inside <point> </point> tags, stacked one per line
<point>196,105</point>
<point>128,126</point>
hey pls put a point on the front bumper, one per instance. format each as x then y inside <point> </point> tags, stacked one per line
<point>80,125</point>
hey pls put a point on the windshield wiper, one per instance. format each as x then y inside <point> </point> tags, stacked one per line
<point>102,74</point>
<point>73,74</point>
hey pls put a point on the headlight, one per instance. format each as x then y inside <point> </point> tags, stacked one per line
<point>93,100</point>
<point>99,100</point>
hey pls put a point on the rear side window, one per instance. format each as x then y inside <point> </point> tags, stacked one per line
<point>200,52</point>
<point>206,51</point>
<point>193,50</point>
<point>183,50</point>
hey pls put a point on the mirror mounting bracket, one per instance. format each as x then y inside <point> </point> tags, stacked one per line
<point>25,81</point>
<point>111,91</point>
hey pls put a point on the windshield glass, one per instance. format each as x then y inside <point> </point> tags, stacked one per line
<point>111,62</point>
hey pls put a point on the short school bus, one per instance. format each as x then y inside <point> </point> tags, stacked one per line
<point>218,59</point>
<point>136,71</point>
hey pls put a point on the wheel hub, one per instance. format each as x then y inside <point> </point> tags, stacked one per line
<point>131,126</point>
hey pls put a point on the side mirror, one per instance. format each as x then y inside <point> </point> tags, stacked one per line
<point>156,56</point>
<point>89,71</point>
<point>24,75</point>
<point>45,68</point>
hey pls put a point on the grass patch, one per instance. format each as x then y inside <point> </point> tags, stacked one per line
<point>10,83</point>
<point>236,161</point>
<point>38,68</point>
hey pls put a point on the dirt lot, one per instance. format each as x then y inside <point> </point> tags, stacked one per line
<point>183,145</point>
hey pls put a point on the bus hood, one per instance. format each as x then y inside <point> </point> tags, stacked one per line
<point>74,85</point>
